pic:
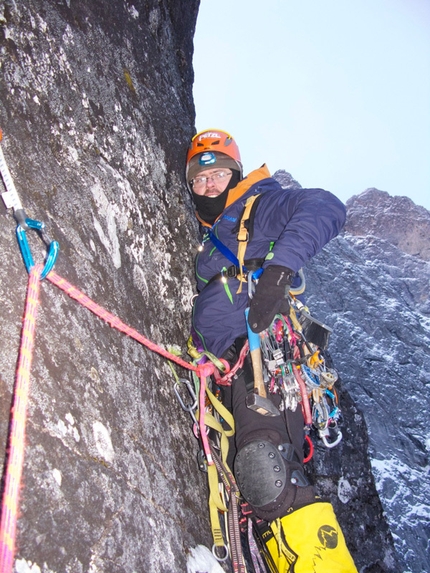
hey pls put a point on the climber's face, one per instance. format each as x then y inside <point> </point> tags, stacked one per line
<point>211,182</point>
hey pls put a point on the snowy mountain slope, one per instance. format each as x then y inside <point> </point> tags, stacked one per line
<point>376,297</point>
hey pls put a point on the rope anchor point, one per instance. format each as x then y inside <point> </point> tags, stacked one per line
<point>53,246</point>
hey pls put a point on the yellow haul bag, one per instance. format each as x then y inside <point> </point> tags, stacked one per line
<point>309,540</point>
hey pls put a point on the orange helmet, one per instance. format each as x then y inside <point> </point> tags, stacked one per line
<point>213,141</point>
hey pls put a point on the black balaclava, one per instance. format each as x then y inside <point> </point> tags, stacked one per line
<point>210,208</point>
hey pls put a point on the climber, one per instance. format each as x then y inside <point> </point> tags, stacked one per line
<point>283,229</point>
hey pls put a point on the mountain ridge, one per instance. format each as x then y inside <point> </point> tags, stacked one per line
<point>396,219</point>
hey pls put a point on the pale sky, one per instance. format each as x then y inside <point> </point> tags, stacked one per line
<point>336,92</point>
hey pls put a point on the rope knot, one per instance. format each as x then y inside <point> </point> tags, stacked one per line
<point>205,370</point>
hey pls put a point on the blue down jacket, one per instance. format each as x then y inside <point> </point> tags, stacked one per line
<point>299,222</point>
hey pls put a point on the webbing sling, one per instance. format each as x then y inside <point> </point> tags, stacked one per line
<point>243,238</point>
<point>216,502</point>
<point>223,249</point>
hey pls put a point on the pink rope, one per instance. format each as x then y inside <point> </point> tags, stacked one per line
<point>114,321</point>
<point>16,444</point>
<point>202,426</point>
<point>203,370</point>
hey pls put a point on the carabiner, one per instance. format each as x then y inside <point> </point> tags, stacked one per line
<point>222,547</point>
<point>192,406</point>
<point>324,434</point>
<point>53,246</point>
<point>252,277</point>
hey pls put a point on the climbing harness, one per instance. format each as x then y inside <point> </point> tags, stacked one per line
<point>294,366</point>
<point>244,235</point>
<point>239,269</point>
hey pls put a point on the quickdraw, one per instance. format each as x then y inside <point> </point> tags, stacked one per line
<point>10,196</point>
<point>12,201</point>
<point>52,246</point>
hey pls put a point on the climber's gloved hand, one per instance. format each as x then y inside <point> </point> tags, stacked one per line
<point>270,297</point>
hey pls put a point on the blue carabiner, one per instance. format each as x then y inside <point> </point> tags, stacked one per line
<point>53,247</point>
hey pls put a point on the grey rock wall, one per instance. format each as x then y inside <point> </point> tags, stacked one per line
<point>96,109</point>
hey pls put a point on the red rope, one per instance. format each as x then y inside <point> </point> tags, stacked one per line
<point>15,461</point>
<point>203,370</point>
<point>226,379</point>
<point>307,414</point>
<point>115,322</point>
<point>16,442</point>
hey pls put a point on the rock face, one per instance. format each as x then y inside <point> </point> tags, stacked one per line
<point>371,285</point>
<point>96,109</point>
<point>286,179</point>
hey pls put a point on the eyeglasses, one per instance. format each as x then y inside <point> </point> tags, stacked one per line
<point>200,182</point>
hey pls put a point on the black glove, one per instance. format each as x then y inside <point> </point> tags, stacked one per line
<point>270,297</point>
